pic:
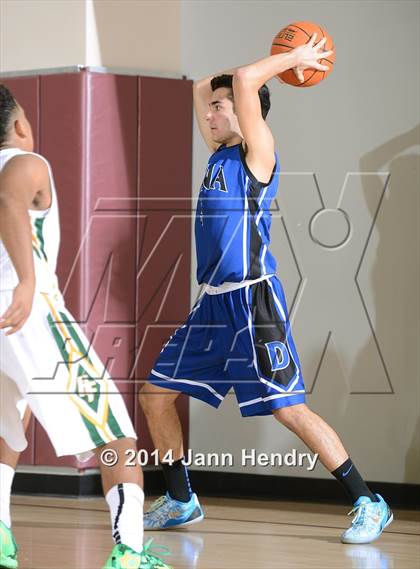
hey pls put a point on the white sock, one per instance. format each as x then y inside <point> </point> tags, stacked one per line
<point>6,478</point>
<point>125,503</point>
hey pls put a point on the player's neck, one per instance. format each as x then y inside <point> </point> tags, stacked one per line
<point>11,144</point>
<point>233,141</point>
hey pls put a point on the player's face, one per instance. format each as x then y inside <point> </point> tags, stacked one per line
<point>221,118</point>
<point>23,130</point>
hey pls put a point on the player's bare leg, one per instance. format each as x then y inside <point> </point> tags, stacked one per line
<point>324,441</point>
<point>179,507</point>
<point>315,433</point>
<point>162,417</point>
<point>8,462</point>
<point>7,455</point>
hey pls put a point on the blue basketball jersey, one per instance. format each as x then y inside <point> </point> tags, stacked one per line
<point>232,226</point>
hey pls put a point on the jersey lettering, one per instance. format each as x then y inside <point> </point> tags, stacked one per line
<point>216,183</point>
<point>278,354</point>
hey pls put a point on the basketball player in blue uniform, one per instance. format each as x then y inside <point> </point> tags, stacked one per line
<point>238,333</point>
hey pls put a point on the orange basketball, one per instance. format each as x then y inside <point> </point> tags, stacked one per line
<point>297,34</point>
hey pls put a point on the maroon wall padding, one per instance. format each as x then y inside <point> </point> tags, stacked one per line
<point>62,142</point>
<point>165,173</point>
<point>26,92</point>
<point>110,294</point>
<point>112,141</point>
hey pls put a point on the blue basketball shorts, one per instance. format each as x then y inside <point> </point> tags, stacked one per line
<point>238,339</point>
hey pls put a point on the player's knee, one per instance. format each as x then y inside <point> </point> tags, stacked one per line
<point>288,416</point>
<point>152,403</point>
<point>147,401</point>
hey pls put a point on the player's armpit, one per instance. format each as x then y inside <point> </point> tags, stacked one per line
<point>258,137</point>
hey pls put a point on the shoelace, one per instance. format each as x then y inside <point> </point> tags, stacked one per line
<point>157,503</point>
<point>149,556</point>
<point>361,512</point>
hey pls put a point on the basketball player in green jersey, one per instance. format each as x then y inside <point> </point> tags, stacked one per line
<point>81,409</point>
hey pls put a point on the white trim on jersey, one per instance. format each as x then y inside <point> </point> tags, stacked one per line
<point>245,230</point>
<point>188,382</point>
<point>259,205</point>
<point>262,259</point>
<point>264,270</point>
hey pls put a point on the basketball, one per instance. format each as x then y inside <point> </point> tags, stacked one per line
<point>297,34</point>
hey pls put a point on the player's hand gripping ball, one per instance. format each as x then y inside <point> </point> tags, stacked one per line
<point>295,35</point>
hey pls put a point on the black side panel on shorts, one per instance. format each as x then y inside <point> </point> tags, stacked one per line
<point>269,328</point>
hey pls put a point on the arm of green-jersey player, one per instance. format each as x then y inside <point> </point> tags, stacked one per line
<point>20,182</point>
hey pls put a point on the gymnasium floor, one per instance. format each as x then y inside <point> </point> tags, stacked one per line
<point>62,533</point>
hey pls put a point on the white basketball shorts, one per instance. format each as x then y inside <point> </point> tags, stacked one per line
<point>50,366</point>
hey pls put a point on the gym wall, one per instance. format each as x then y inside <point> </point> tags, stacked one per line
<point>351,280</point>
<point>351,142</point>
<point>43,34</point>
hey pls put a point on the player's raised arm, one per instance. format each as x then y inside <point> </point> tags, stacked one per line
<point>202,92</point>
<point>20,181</point>
<point>248,80</point>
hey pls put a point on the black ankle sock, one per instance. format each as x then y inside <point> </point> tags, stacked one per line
<point>177,480</point>
<point>353,483</point>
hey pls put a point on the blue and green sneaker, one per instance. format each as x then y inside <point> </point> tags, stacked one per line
<point>370,520</point>
<point>167,513</point>
<point>123,557</point>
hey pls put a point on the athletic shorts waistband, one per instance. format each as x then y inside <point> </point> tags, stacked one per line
<point>229,287</point>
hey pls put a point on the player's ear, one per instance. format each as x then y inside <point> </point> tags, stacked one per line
<point>19,128</point>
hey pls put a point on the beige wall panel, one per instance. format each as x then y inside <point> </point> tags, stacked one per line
<point>350,131</point>
<point>139,34</point>
<point>38,34</point>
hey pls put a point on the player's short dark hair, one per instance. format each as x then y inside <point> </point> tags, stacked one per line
<point>227,81</point>
<point>8,105</point>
